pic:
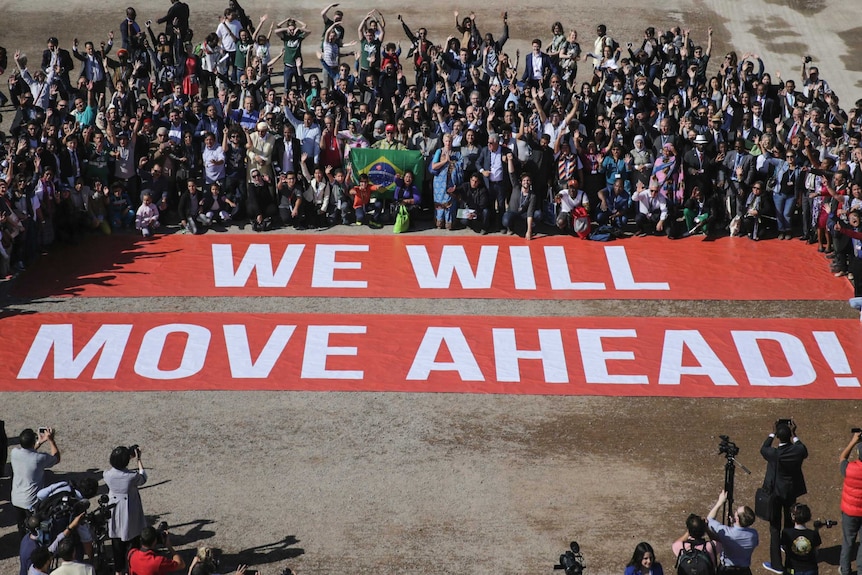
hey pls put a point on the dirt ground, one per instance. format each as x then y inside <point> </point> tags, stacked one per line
<point>440,483</point>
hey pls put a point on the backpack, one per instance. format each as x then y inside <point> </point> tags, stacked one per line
<point>581,222</point>
<point>602,234</point>
<point>694,559</point>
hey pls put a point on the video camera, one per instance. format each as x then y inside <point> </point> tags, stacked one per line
<point>572,562</point>
<point>99,517</point>
<point>727,447</point>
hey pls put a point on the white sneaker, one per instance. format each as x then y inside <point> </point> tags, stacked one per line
<point>145,232</point>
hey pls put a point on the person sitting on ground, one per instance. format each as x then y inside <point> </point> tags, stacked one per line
<point>652,209</point>
<point>570,200</point>
<point>737,538</point>
<point>407,194</point>
<point>363,203</point>
<point>217,207</point>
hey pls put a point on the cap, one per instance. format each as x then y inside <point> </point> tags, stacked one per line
<point>356,121</point>
<point>701,139</point>
<point>378,125</point>
<point>573,182</point>
<point>390,127</point>
<point>262,126</point>
<point>122,52</point>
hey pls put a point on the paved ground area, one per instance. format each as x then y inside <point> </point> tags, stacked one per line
<point>413,483</point>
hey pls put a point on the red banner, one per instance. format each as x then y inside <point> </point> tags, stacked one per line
<point>678,357</point>
<point>414,266</point>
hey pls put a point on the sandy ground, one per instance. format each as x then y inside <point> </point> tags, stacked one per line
<point>414,483</point>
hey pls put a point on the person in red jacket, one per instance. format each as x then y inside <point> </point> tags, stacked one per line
<point>851,504</point>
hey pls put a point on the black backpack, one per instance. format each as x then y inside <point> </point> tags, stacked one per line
<point>695,559</point>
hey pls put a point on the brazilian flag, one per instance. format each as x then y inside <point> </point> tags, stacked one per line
<point>383,166</point>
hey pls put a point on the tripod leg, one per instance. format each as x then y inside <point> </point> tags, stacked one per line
<point>729,475</point>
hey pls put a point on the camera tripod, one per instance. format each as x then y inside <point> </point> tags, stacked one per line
<point>729,477</point>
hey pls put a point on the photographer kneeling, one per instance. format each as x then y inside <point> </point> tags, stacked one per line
<point>146,561</point>
<point>206,562</point>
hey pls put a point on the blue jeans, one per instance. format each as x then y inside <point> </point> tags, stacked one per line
<point>783,211</point>
<point>512,219</point>
<point>291,72</point>
<point>362,211</point>
<point>850,527</point>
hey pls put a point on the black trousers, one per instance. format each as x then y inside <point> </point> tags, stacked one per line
<point>780,520</point>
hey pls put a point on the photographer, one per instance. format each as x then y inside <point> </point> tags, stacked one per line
<point>63,501</point>
<point>30,544</point>
<point>127,519</point>
<point>851,503</point>
<point>206,562</point>
<point>738,538</point>
<point>68,565</point>
<point>28,468</point>
<point>784,478</point>
<point>145,561</point>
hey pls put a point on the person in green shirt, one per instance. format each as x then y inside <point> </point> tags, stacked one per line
<point>292,32</point>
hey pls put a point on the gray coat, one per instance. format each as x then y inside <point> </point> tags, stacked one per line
<point>127,519</point>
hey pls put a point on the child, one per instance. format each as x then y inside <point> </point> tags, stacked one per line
<point>147,216</point>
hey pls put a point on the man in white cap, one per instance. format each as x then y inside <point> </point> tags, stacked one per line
<point>698,165</point>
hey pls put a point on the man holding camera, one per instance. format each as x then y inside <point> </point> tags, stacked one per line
<point>28,468</point>
<point>784,473</point>
<point>146,561</point>
<point>851,503</point>
<point>738,539</point>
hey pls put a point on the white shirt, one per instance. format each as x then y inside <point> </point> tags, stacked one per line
<point>213,172</point>
<point>228,42</point>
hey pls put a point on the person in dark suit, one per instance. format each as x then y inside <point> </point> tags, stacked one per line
<point>177,17</point>
<point>493,165</point>
<point>698,165</point>
<point>740,169</point>
<point>56,56</point>
<point>287,152</point>
<point>784,473</point>
<point>539,67</point>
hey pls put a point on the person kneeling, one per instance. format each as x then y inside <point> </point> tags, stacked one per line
<point>147,216</point>
<point>473,195</point>
<point>652,210</point>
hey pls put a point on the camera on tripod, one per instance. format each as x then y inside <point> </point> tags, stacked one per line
<point>572,562</point>
<point>727,447</point>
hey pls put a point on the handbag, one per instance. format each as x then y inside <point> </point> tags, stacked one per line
<point>764,497</point>
<point>402,220</point>
<point>764,503</point>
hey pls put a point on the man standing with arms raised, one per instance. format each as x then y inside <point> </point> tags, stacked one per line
<point>784,473</point>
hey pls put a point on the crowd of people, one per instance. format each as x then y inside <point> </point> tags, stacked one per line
<point>613,139</point>
<point>54,527</point>
<point>59,536</point>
